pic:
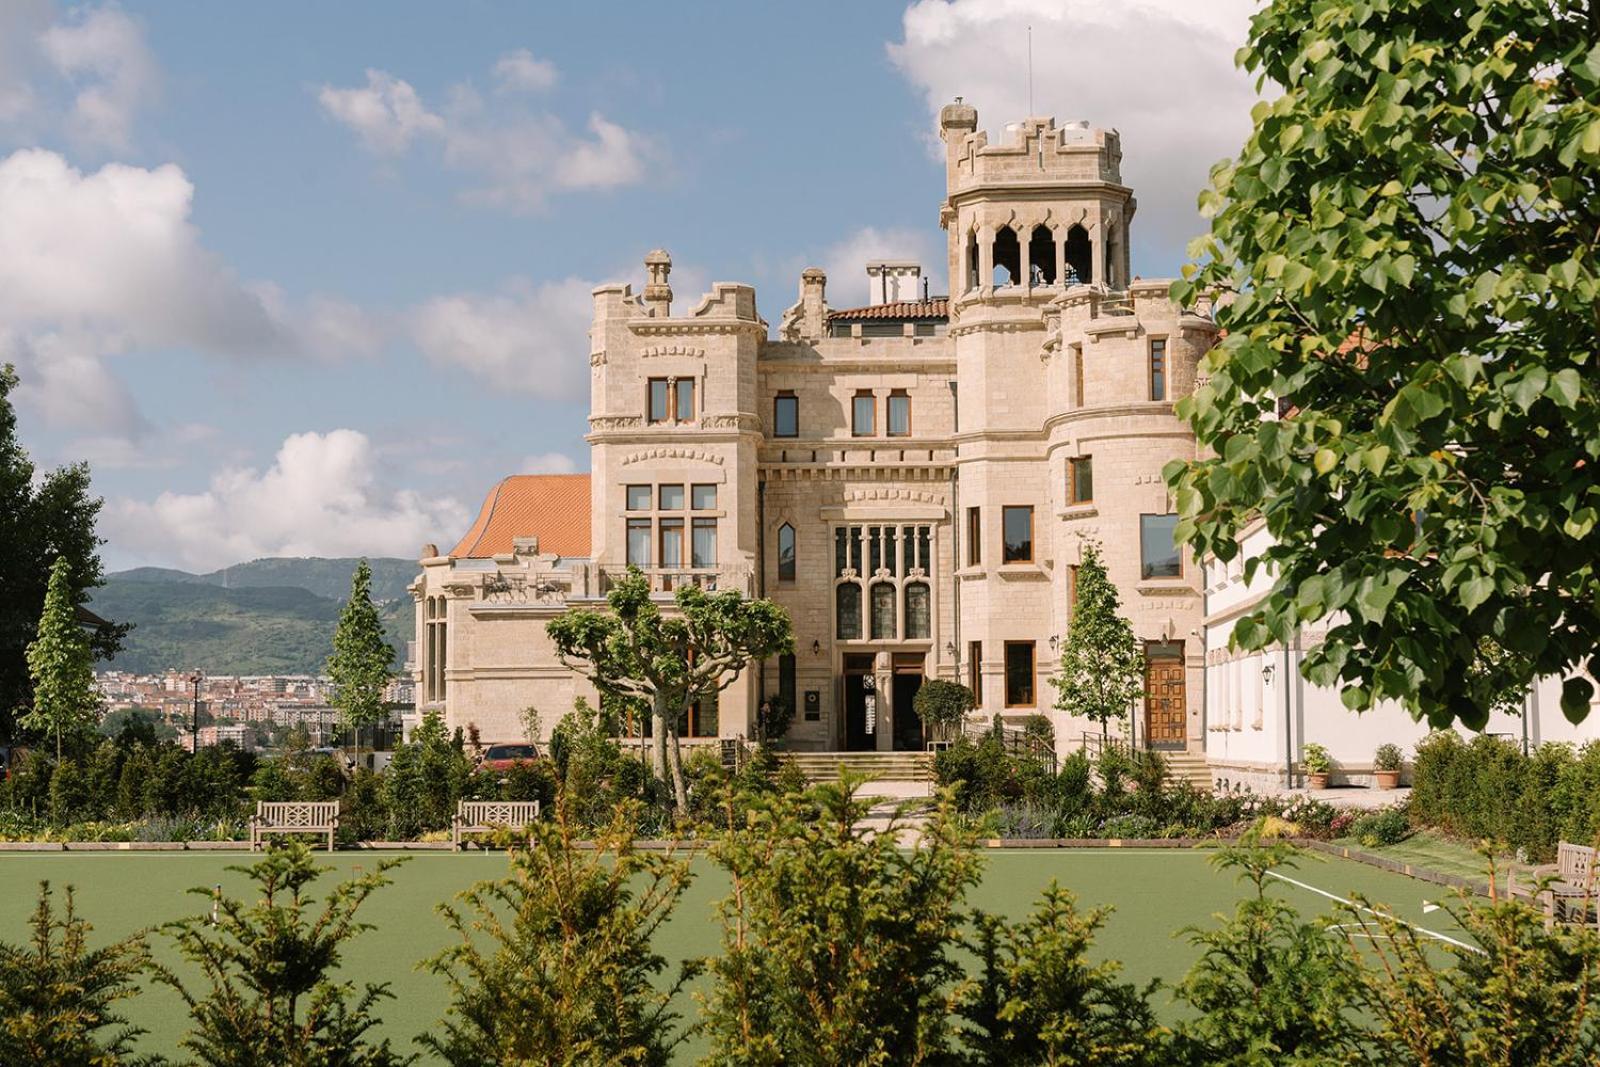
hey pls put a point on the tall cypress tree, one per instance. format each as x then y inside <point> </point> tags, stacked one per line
<point>362,662</point>
<point>1102,666</point>
<point>39,522</point>
<point>61,666</point>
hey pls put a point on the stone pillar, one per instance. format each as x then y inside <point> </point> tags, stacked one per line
<point>813,302</point>
<point>985,258</point>
<point>1024,267</point>
<point>1060,236</point>
<point>657,293</point>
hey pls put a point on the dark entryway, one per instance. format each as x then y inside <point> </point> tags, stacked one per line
<point>907,723</point>
<point>857,678</point>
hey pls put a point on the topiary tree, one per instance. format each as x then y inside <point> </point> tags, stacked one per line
<point>1406,389</point>
<point>61,666</point>
<point>270,996</point>
<point>942,704</point>
<point>670,661</point>
<point>362,663</point>
<point>1102,666</point>
<point>58,996</point>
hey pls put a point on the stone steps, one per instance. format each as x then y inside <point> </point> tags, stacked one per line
<point>881,766</point>
<point>1188,767</point>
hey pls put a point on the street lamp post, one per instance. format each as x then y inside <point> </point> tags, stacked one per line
<point>194,711</point>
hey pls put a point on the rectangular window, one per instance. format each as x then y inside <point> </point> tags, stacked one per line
<point>1017,526</point>
<point>974,537</point>
<point>786,415</point>
<point>1019,674</point>
<point>638,498</point>
<point>899,414</point>
<point>1158,368</point>
<point>975,672</point>
<point>671,542</point>
<point>1158,553</point>
<point>660,409</point>
<point>704,548</point>
<point>703,497</point>
<point>1077,375</point>
<point>671,497</point>
<point>1080,479</point>
<point>1072,589</point>
<point>862,409</point>
<point>685,402</point>
<point>638,542</point>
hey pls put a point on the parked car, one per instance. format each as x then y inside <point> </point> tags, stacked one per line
<point>504,757</point>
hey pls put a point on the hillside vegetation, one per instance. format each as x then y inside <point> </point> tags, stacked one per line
<point>268,616</point>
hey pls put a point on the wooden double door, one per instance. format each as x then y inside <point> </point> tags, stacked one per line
<point>1165,700</point>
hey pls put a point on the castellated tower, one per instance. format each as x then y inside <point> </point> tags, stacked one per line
<point>1067,372</point>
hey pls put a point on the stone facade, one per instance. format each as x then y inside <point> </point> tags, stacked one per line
<point>913,481</point>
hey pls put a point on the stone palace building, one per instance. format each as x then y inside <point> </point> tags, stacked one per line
<point>915,481</point>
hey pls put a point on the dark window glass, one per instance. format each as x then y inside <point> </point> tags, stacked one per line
<point>883,612</point>
<point>918,625</point>
<point>1158,368</point>
<point>786,681</point>
<point>847,604</point>
<point>925,549</point>
<point>786,415</point>
<point>1018,529</point>
<point>685,387</point>
<point>658,400</point>
<point>899,414</point>
<point>1019,674</point>
<point>861,415</point>
<point>786,563</point>
<point>638,498</point>
<point>1158,554</point>
<point>975,671</point>
<point>671,498</point>
<point>841,551</point>
<point>882,329</point>
<point>704,546</point>
<point>974,537</point>
<point>1082,480</point>
<point>639,542</point>
<point>703,497</point>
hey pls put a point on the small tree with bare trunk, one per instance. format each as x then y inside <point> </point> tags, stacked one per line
<point>669,661</point>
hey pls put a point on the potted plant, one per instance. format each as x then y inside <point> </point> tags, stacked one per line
<point>1316,763</point>
<point>1386,766</point>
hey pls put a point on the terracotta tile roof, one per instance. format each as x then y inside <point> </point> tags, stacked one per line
<point>552,507</point>
<point>937,308</point>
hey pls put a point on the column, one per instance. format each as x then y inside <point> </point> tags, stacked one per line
<point>1024,237</point>
<point>985,258</point>
<point>1060,236</point>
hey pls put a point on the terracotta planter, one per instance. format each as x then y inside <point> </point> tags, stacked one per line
<point>1387,779</point>
<point>1317,780</point>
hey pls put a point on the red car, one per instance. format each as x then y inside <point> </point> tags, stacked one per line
<point>505,757</point>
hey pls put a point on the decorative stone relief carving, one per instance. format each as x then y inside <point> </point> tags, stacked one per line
<point>615,422</point>
<point>698,455</point>
<point>672,350</point>
<point>914,496</point>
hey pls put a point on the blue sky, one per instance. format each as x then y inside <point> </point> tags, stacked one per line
<point>308,278</point>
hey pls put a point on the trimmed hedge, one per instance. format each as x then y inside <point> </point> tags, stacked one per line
<point>1487,789</point>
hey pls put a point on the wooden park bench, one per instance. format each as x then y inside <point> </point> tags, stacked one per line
<point>486,816</point>
<point>1569,896</point>
<point>294,817</point>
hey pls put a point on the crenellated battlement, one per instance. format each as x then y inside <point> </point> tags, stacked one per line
<point>1030,152</point>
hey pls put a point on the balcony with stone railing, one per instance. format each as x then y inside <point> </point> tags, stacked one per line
<point>594,581</point>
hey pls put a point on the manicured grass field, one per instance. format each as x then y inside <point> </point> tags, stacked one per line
<point>1155,893</point>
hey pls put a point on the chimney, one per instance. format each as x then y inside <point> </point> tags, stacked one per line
<point>813,302</point>
<point>657,293</point>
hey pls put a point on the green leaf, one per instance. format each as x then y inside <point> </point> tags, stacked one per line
<point>1475,591</point>
<point>1565,388</point>
<point>1576,694</point>
<point>1324,460</point>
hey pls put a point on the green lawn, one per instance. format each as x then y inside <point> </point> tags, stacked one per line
<point>1155,893</point>
<point>1436,852</point>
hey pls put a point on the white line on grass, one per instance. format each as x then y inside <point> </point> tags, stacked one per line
<point>1373,911</point>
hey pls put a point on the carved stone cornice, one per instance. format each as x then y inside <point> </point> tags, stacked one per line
<point>695,455</point>
<point>656,351</point>
<point>615,422</point>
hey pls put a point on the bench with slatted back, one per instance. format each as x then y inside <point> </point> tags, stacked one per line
<point>486,816</point>
<point>294,817</point>
<point>1570,894</point>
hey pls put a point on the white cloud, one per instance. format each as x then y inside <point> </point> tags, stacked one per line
<point>520,71</point>
<point>94,265</point>
<point>322,496</point>
<point>529,337</point>
<point>516,158</point>
<point>548,463</point>
<point>102,52</point>
<point>1159,71</point>
<point>386,114</point>
<point>846,261</point>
